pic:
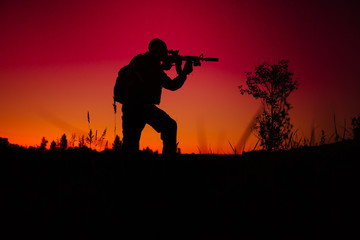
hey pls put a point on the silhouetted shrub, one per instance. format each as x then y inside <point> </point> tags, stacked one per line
<point>272,84</point>
<point>4,143</point>
<point>63,143</point>
<point>43,144</point>
<point>53,145</point>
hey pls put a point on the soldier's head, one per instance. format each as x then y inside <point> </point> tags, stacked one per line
<point>158,49</point>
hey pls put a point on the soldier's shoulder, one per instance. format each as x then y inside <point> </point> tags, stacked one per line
<point>139,61</point>
<point>138,58</point>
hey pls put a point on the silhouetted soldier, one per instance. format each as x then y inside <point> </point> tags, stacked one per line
<point>145,95</point>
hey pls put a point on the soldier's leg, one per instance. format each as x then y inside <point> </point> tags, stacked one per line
<point>132,123</point>
<point>166,126</point>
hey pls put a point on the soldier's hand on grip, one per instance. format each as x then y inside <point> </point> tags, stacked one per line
<point>188,68</point>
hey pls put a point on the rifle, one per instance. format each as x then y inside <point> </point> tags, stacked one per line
<point>173,57</point>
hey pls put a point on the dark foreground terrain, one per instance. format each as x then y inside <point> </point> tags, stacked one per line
<point>193,196</point>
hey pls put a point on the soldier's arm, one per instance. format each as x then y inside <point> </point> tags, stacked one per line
<point>173,84</point>
<point>177,82</point>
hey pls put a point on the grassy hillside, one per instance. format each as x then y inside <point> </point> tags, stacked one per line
<point>304,189</point>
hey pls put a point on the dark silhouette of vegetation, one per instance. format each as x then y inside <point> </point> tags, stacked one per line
<point>90,138</point>
<point>147,150</point>
<point>63,143</point>
<point>43,144</point>
<point>322,137</point>
<point>117,144</point>
<point>4,143</point>
<point>81,141</point>
<point>210,196</point>
<point>308,188</point>
<point>101,139</point>
<point>53,145</point>
<point>355,122</point>
<point>272,84</point>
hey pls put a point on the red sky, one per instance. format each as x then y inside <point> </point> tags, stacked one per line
<point>59,59</point>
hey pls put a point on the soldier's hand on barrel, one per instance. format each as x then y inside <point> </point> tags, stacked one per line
<point>188,68</point>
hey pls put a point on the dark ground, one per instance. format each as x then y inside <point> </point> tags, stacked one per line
<point>194,196</point>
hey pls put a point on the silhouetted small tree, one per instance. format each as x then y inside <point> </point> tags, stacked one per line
<point>43,144</point>
<point>53,145</point>
<point>63,143</point>
<point>273,85</point>
<point>117,143</point>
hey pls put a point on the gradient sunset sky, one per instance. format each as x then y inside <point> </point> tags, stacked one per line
<point>59,60</point>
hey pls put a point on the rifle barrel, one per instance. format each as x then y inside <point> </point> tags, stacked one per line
<point>196,58</point>
<point>211,59</point>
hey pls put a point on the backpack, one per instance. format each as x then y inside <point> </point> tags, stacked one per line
<point>122,83</point>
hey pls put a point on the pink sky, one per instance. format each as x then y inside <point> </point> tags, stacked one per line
<point>59,59</point>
